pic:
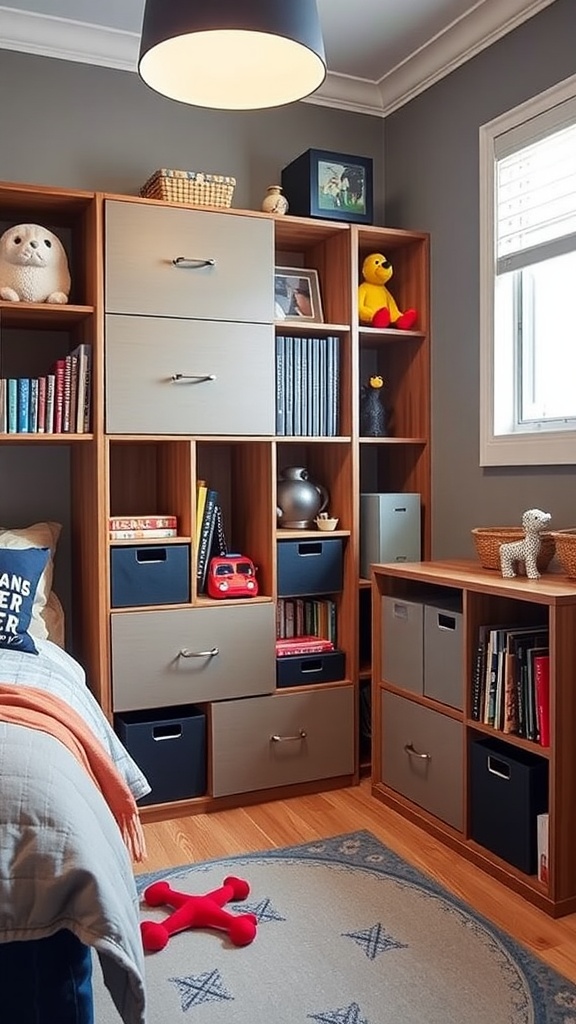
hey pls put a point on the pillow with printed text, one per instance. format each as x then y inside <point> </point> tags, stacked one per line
<point>20,572</point>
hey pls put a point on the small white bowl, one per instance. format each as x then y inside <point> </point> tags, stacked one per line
<point>327,524</point>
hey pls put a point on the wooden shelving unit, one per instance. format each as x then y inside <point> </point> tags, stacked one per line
<point>484,598</point>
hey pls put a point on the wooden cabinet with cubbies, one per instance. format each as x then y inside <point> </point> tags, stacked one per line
<point>448,770</point>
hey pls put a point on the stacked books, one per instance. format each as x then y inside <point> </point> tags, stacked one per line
<point>511,682</point>
<point>142,527</point>
<point>210,539</point>
<point>58,403</point>
<point>299,645</point>
<point>300,616</point>
<point>307,386</point>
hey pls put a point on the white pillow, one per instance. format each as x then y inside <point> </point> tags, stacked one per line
<point>39,535</point>
<point>54,620</point>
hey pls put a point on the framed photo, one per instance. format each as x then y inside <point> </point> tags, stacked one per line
<point>335,186</point>
<point>297,295</point>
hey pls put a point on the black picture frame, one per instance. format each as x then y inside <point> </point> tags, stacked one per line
<point>331,186</point>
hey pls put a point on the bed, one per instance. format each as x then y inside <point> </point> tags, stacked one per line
<point>66,879</point>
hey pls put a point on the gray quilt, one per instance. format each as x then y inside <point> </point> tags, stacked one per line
<point>63,863</point>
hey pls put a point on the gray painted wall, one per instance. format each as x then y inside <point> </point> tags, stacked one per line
<point>431,173</point>
<point>76,126</point>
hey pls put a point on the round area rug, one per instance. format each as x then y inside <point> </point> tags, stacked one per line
<point>347,934</point>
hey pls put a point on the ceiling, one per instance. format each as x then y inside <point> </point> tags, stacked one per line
<point>380,53</point>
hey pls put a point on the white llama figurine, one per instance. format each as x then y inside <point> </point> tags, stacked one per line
<point>534,521</point>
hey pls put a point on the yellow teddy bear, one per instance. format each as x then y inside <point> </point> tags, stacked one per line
<point>376,306</point>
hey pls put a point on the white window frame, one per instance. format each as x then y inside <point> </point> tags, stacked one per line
<point>526,448</point>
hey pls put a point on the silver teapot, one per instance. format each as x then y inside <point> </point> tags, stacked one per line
<point>298,499</point>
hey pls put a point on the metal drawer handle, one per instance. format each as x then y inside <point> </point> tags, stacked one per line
<point>189,263</point>
<point>300,735</point>
<point>185,653</point>
<point>414,753</point>
<point>198,377</point>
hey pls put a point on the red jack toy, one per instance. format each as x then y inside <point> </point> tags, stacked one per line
<point>197,912</point>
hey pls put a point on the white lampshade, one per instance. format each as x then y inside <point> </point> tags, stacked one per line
<point>232,54</point>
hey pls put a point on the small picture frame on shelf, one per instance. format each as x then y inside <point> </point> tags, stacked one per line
<point>297,295</point>
<point>334,186</point>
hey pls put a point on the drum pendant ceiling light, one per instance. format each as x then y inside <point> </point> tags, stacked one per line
<point>232,54</point>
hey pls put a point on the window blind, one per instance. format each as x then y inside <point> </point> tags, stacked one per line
<point>536,201</point>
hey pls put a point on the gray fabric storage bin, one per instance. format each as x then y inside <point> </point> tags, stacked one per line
<point>403,643</point>
<point>444,653</point>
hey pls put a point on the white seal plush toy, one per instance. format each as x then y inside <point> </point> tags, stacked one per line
<point>33,265</point>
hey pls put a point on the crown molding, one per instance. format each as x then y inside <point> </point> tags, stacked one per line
<point>484,24</point>
<point>77,41</point>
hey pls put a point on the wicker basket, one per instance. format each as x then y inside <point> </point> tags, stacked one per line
<point>193,187</point>
<point>487,540</point>
<point>565,541</point>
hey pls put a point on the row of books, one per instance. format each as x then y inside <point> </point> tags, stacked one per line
<point>142,527</point>
<point>307,386</point>
<point>306,616</point>
<point>286,648</point>
<point>210,540</point>
<point>511,683</point>
<point>58,403</point>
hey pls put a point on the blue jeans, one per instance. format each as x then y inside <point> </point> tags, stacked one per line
<point>46,981</point>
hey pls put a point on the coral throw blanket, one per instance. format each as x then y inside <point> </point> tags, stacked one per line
<point>37,709</point>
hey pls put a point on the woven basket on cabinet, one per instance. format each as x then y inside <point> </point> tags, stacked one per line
<point>193,187</point>
<point>487,540</point>
<point>565,541</point>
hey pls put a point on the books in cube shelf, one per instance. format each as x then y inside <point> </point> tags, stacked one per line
<point>152,522</point>
<point>143,534</point>
<point>302,645</point>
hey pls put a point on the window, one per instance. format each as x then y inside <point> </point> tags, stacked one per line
<point>527,283</point>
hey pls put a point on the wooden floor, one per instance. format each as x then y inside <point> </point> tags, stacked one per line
<point>301,819</point>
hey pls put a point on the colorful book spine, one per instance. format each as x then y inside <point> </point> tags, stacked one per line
<point>42,405</point>
<point>50,399</point>
<point>12,405</point>
<point>59,374</point>
<point>142,534</point>
<point>280,387</point>
<point>201,492</point>
<point>33,407</point>
<point>23,404</point>
<point>3,405</point>
<point>206,534</point>
<point>542,687</point>
<point>152,522</point>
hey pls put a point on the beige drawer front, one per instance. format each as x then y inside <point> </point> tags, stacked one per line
<point>433,782</point>
<point>143,353</point>
<point>245,757</point>
<point>149,670</point>
<point>142,241</point>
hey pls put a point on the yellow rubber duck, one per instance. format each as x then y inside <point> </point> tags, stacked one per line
<point>376,306</point>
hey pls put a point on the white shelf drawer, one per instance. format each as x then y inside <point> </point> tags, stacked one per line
<point>143,240</point>
<point>245,756</point>
<point>149,670</point>
<point>143,353</point>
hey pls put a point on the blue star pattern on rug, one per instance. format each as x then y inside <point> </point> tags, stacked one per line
<point>264,910</point>
<point>201,988</point>
<point>374,940</point>
<point>343,1015</point>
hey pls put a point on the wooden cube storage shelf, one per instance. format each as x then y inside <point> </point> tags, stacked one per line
<point>153,437</point>
<point>485,599</point>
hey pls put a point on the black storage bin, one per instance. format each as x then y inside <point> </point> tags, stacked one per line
<point>310,566</point>
<point>149,574</point>
<point>169,746</point>
<point>509,789</point>
<point>305,669</point>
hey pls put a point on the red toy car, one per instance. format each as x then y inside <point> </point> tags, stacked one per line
<point>232,576</point>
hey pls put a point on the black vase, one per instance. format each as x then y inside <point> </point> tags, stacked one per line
<point>373,416</point>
